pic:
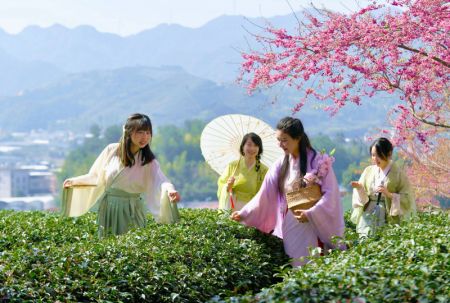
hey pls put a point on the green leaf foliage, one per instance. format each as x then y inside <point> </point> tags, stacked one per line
<point>47,258</point>
<point>178,151</point>
<point>348,155</point>
<point>402,263</point>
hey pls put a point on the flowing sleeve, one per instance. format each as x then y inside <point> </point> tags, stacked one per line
<point>77,200</point>
<point>222,187</point>
<point>262,211</point>
<point>327,217</point>
<point>360,197</point>
<point>157,195</point>
<point>403,202</point>
<point>92,178</point>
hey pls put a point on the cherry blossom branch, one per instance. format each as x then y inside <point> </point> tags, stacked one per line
<point>446,64</point>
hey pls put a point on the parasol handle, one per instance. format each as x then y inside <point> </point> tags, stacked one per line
<point>233,174</point>
<point>231,201</point>
<point>235,169</point>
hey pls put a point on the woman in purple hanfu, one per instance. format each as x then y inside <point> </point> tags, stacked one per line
<point>268,210</point>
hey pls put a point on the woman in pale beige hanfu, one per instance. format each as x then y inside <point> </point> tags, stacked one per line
<point>124,179</point>
<point>383,193</point>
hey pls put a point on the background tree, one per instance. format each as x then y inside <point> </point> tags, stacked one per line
<point>177,149</point>
<point>430,174</point>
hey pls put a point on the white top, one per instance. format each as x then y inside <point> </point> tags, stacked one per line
<point>292,177</point>
<point>380,178</point>
<point>293,174</point>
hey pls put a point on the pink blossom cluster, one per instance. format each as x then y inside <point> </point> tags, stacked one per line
<point>400,48</point>
<point>316,175</point>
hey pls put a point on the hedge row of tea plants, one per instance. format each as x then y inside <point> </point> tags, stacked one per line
<point>406,263</point>
<point>46,258</point>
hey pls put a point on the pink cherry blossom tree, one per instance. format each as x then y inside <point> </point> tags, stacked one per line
<point>428,172</point>
<point>393,48</point>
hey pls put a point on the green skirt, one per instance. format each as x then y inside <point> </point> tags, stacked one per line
<point>120,211</point>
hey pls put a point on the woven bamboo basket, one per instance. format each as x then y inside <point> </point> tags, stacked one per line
<point>303,198</point>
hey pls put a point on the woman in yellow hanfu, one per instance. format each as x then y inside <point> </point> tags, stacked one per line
<point>242,178</point>
<point>383,193</point>
<point>122,181</point>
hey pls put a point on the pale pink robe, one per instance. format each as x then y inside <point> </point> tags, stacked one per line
<point>267,211</point>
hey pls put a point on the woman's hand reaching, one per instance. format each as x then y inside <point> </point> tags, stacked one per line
<point>174,196</point>
<point>356,184</point>
<point>301,216</point>
<point>230,183</point>
<point>235,216</point>
<point>68,183</point>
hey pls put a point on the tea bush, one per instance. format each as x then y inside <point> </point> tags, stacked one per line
<point>44,257</point>
<point>406,263</point>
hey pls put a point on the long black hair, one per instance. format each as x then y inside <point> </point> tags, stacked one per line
<point>258,142</point>
<point>135,122</point>
<point>294,128</point>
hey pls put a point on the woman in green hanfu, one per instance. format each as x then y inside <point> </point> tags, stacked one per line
<point>383,193</point>
<point>122,181</point>
<point>242,178</point>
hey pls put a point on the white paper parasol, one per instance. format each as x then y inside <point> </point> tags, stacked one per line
<point>221,138</point>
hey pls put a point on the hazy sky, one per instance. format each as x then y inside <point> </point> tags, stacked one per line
<point>127,17</point>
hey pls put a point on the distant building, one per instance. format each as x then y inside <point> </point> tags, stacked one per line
<point>30,180</point>
<point>20,183</point>
<point>41,183</point>
<point>343,191</point>
<point>5,182</point>
<point>28,203</point>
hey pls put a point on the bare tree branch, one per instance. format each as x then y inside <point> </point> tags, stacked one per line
<point>446,64</point>
<point>413,112</point>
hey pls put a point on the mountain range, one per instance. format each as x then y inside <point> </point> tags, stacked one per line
<point>58,77</point>
<point>210,51</point>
